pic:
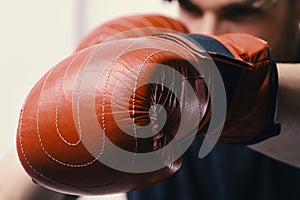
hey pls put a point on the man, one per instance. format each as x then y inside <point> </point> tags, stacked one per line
<point>236,172</point>
<point>232,172</point>
<point>276,21</point>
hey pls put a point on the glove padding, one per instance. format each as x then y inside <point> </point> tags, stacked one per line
<point>146,96</point>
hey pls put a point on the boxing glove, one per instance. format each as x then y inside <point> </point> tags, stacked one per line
<point>117,116</point>
<point>83,178</point>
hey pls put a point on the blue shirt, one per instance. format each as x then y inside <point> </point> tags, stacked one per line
<point>228,172</point>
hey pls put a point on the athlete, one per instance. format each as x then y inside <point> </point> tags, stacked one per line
<point>232,172</point>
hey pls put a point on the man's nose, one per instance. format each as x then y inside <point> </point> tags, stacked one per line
<point>209,23</point>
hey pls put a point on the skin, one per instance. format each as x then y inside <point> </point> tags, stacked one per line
<point>15,184</point>
<point>285,147</point>
<point>278,23</point>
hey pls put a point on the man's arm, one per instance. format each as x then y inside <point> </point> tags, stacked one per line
<point>286,146</point>
<point>15,184</point>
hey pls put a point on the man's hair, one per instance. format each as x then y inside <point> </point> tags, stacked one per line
<point>249,0</point>
<point>254,3</point>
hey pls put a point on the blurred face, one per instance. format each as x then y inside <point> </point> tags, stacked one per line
<point>274,21</point>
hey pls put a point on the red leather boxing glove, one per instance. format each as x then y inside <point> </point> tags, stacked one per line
<point>57,147</point>
<point>117,116</point>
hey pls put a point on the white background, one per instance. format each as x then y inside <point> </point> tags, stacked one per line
<point>36,34</point>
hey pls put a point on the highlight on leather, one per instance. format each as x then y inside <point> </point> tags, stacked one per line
<point>131,26</point>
